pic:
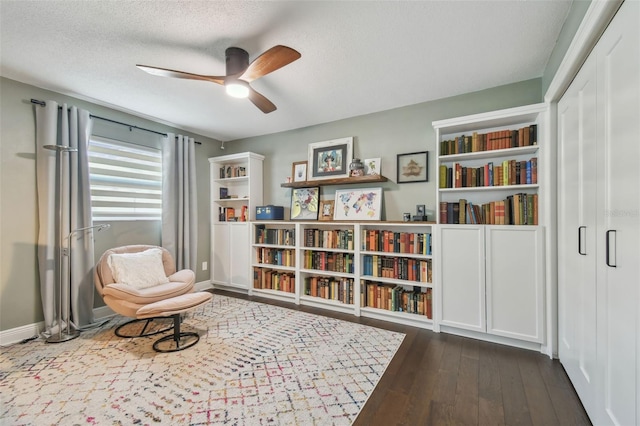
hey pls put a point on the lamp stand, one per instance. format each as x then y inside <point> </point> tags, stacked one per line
<point>69,331</point>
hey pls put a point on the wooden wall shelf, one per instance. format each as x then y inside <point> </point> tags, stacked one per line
<point>337,181</point>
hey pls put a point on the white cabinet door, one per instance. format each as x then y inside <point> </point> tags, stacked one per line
<point>515,282</point>
<point>619,217</point>
<point>220,253</point>
<point>239,251</point>
<point>577,256</point>
<point>462,272</point>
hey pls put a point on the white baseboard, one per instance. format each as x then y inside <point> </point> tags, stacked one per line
<point>18,334</point>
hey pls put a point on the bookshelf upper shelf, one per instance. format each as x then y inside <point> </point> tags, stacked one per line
<point>489,154</point>
<point>337,181</point>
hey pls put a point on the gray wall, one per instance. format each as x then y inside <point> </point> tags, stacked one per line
<point>574,18</point>
<point>19,289</point>
<point>384,134</point>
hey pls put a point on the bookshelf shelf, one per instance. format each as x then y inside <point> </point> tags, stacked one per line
<point>490,167</point>
<point>514,188</point>
<point>497,153</point>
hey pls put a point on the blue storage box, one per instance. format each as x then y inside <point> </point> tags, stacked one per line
<point>269,213</point>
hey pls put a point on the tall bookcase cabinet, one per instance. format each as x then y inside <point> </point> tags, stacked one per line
<point>490,239</point>
<point>599,225</point>
<point>236,190</point>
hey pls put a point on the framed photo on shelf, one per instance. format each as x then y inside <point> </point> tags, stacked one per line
<point>329,159</point>
<point>299,171</point>
<point>326,209</point>
<point>372,166</point>
<point>358,204</point>
<point>304,203</point>
<point>413,167</point>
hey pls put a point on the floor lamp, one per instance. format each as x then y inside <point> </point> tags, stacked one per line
<point>63,293</point>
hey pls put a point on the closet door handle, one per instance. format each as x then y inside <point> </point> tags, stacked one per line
<point>580,229</point>
<point>608,248</point>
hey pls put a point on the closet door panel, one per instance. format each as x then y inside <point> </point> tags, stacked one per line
<point>618,74</point>
<point>577,234</point>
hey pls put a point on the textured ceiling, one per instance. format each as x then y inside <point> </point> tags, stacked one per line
<point>357,57</point>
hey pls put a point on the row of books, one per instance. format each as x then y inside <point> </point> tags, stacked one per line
<point>501,139</point>
<point>270,279</point>
<point>279,257</point>
<point>326,261</point>
<point>509,172</point>
<point>335,239</point>
<point>283,237</point>
<point>228,214</point>
<point>517,209</point>
<point>332,288</point>
<point>396,242</point>
<point>230,171</point>
<point>400,268</point>
<point>397,298</point>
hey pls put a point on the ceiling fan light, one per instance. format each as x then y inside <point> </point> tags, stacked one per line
<point>237,89</point>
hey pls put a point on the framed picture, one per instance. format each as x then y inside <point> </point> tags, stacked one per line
<point>299,171</point>
<point>412,167</point>
<point>329,159</point>
<point>304,203</point>
<point>326,209</point>
<point>358,204</point>
<point>372,166</point>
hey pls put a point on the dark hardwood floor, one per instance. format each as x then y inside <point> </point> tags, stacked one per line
<point>443,379</point>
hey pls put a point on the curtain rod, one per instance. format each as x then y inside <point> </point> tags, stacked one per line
<point>130,126</point>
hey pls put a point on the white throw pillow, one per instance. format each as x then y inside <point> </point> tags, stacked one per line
<point>139,270</point>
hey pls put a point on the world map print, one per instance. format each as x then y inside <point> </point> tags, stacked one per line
<point>358,204</point>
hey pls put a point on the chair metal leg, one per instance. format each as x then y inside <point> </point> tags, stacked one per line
<point>178,340</point>
<point>144,327</point>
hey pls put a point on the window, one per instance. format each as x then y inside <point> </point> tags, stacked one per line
<point>125,179</point>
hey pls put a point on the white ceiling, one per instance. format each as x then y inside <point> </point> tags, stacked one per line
<point>357,57</point>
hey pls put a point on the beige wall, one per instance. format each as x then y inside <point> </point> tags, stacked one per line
<point>19,289</point>
<point>384,134</point>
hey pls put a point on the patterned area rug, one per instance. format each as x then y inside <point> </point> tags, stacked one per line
<point>255,364</point>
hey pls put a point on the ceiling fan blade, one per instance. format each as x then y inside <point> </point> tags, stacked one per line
<point>264,104</point>
<point>163,72</point>
<point>271,60</point>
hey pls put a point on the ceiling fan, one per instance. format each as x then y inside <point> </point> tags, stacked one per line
<point>239,72</point>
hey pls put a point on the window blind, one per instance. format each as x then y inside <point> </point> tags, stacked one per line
<point>125,180</point>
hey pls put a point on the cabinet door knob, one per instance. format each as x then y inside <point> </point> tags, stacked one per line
<point>608,248</point>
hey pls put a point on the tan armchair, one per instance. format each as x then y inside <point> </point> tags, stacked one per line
<point>155,307</point>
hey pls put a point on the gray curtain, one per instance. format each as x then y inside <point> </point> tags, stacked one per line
<point>70,195</point>
<point>179,200</point>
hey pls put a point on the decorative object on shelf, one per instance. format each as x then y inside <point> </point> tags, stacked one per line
<point>299,171</point>
<point>356,168</point>
<point>421,213</point>
<point>326,210</point>
<point>358,204</point>
<point>413,167</point>
<point>304,203</point>
<point>269,213</point>
<point>406,217</point>
<point>329,159</point>
<point>372,166</point>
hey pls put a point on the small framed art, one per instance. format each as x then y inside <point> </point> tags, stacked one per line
<point>372,166</point>
<point>358,204</point>
<point>329,159</point>
<point>304,203</point>
<point>326,209</point>
<point>413,167</point>
<point>299,171</point>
